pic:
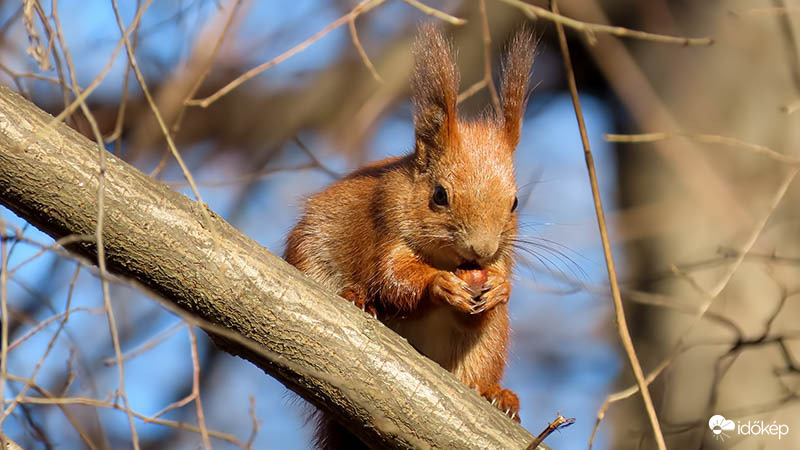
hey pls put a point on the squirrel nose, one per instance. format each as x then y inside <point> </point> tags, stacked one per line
<point>484,248</point>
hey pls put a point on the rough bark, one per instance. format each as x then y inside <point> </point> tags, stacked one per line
<point>331,354</point>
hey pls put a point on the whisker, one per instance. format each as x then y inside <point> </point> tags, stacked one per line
<point>553,268</point>
<point>562,260</point>
<point>551,245</point>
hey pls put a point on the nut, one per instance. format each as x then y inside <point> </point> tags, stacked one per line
<point>475,278</point>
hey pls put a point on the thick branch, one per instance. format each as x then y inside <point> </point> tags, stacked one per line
<point>331,354</point>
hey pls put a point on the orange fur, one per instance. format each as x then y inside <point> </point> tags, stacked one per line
<point>383,240</point>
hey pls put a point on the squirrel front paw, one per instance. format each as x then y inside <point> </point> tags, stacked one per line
<point>452,290</point>
<point>496,291</point>
<point>505,400</point>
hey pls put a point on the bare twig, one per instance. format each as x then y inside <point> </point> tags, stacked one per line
<point>435,12</point>
<point>314,160</point>
<point>50,399</point>
<point>147,346</point>
<point>80,99</point>
<point>151,102</point>
<point>628,392</point>
<point>487,57</point>
<point>207,69</point>
<point>591,29</point>
<point>364,57</point>
<point>557,424</point>
<point>470,91</point>
<point>45,353</point>
<point>622,326</point>
<point>707,139</point>
<point>722,283</point>
<point>44,323</point>
<point>201,420</point>
<point>116,134</point>
<point>36,49</point>
<point>766,11</point>
<point>66,240</point>
<point>256,424</point>
<point>4,318</point>
<point>361,8</point>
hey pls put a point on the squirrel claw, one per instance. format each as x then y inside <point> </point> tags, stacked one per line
<point>505,400</point>
<point>495,292</point>
<point>479,307</point>
<point>453,291</point>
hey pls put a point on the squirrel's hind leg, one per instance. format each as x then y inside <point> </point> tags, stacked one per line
<point>504,399</point>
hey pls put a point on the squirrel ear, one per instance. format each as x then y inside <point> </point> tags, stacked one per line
<point>514,89</point>
<point>434,86</point>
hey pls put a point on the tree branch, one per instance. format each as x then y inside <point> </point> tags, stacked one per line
<point>331,354</point>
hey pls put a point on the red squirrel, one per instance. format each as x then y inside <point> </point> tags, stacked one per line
<point>425,241</point>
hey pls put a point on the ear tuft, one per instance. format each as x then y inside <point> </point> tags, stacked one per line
<point>434,86</point>
<point>514,89</point>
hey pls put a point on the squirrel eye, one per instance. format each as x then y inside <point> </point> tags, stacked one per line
<point>440,196</point>
<point>514,206</point>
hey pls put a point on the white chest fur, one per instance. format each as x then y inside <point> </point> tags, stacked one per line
<point>441,337</point>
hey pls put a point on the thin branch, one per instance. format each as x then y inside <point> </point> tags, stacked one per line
<point>65,241</point>
<point>80,99</point>
<point>487,57</point>
<point>4,318</point>
<point>116,134</point>
<point>315,162</point>
<point>435,12</point>
<point>147,346</point>
<point>70,418</point>
<point>361,8</point>
<point>151,102</point>
<point>255,422</point>
<point>364,57</point>
<point>470,91</point>
<point>622,326</point>
<point>207,69</point>
<point>629,392</point>
<point>777,10</point>
<point>707,139</point>
<point>201,421</point>
<point>558,423</point>
<point>51,399</point>
<point>591,29</point>
<point>44,323</point>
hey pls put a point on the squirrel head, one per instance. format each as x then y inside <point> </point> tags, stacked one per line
<point>464,196</point>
